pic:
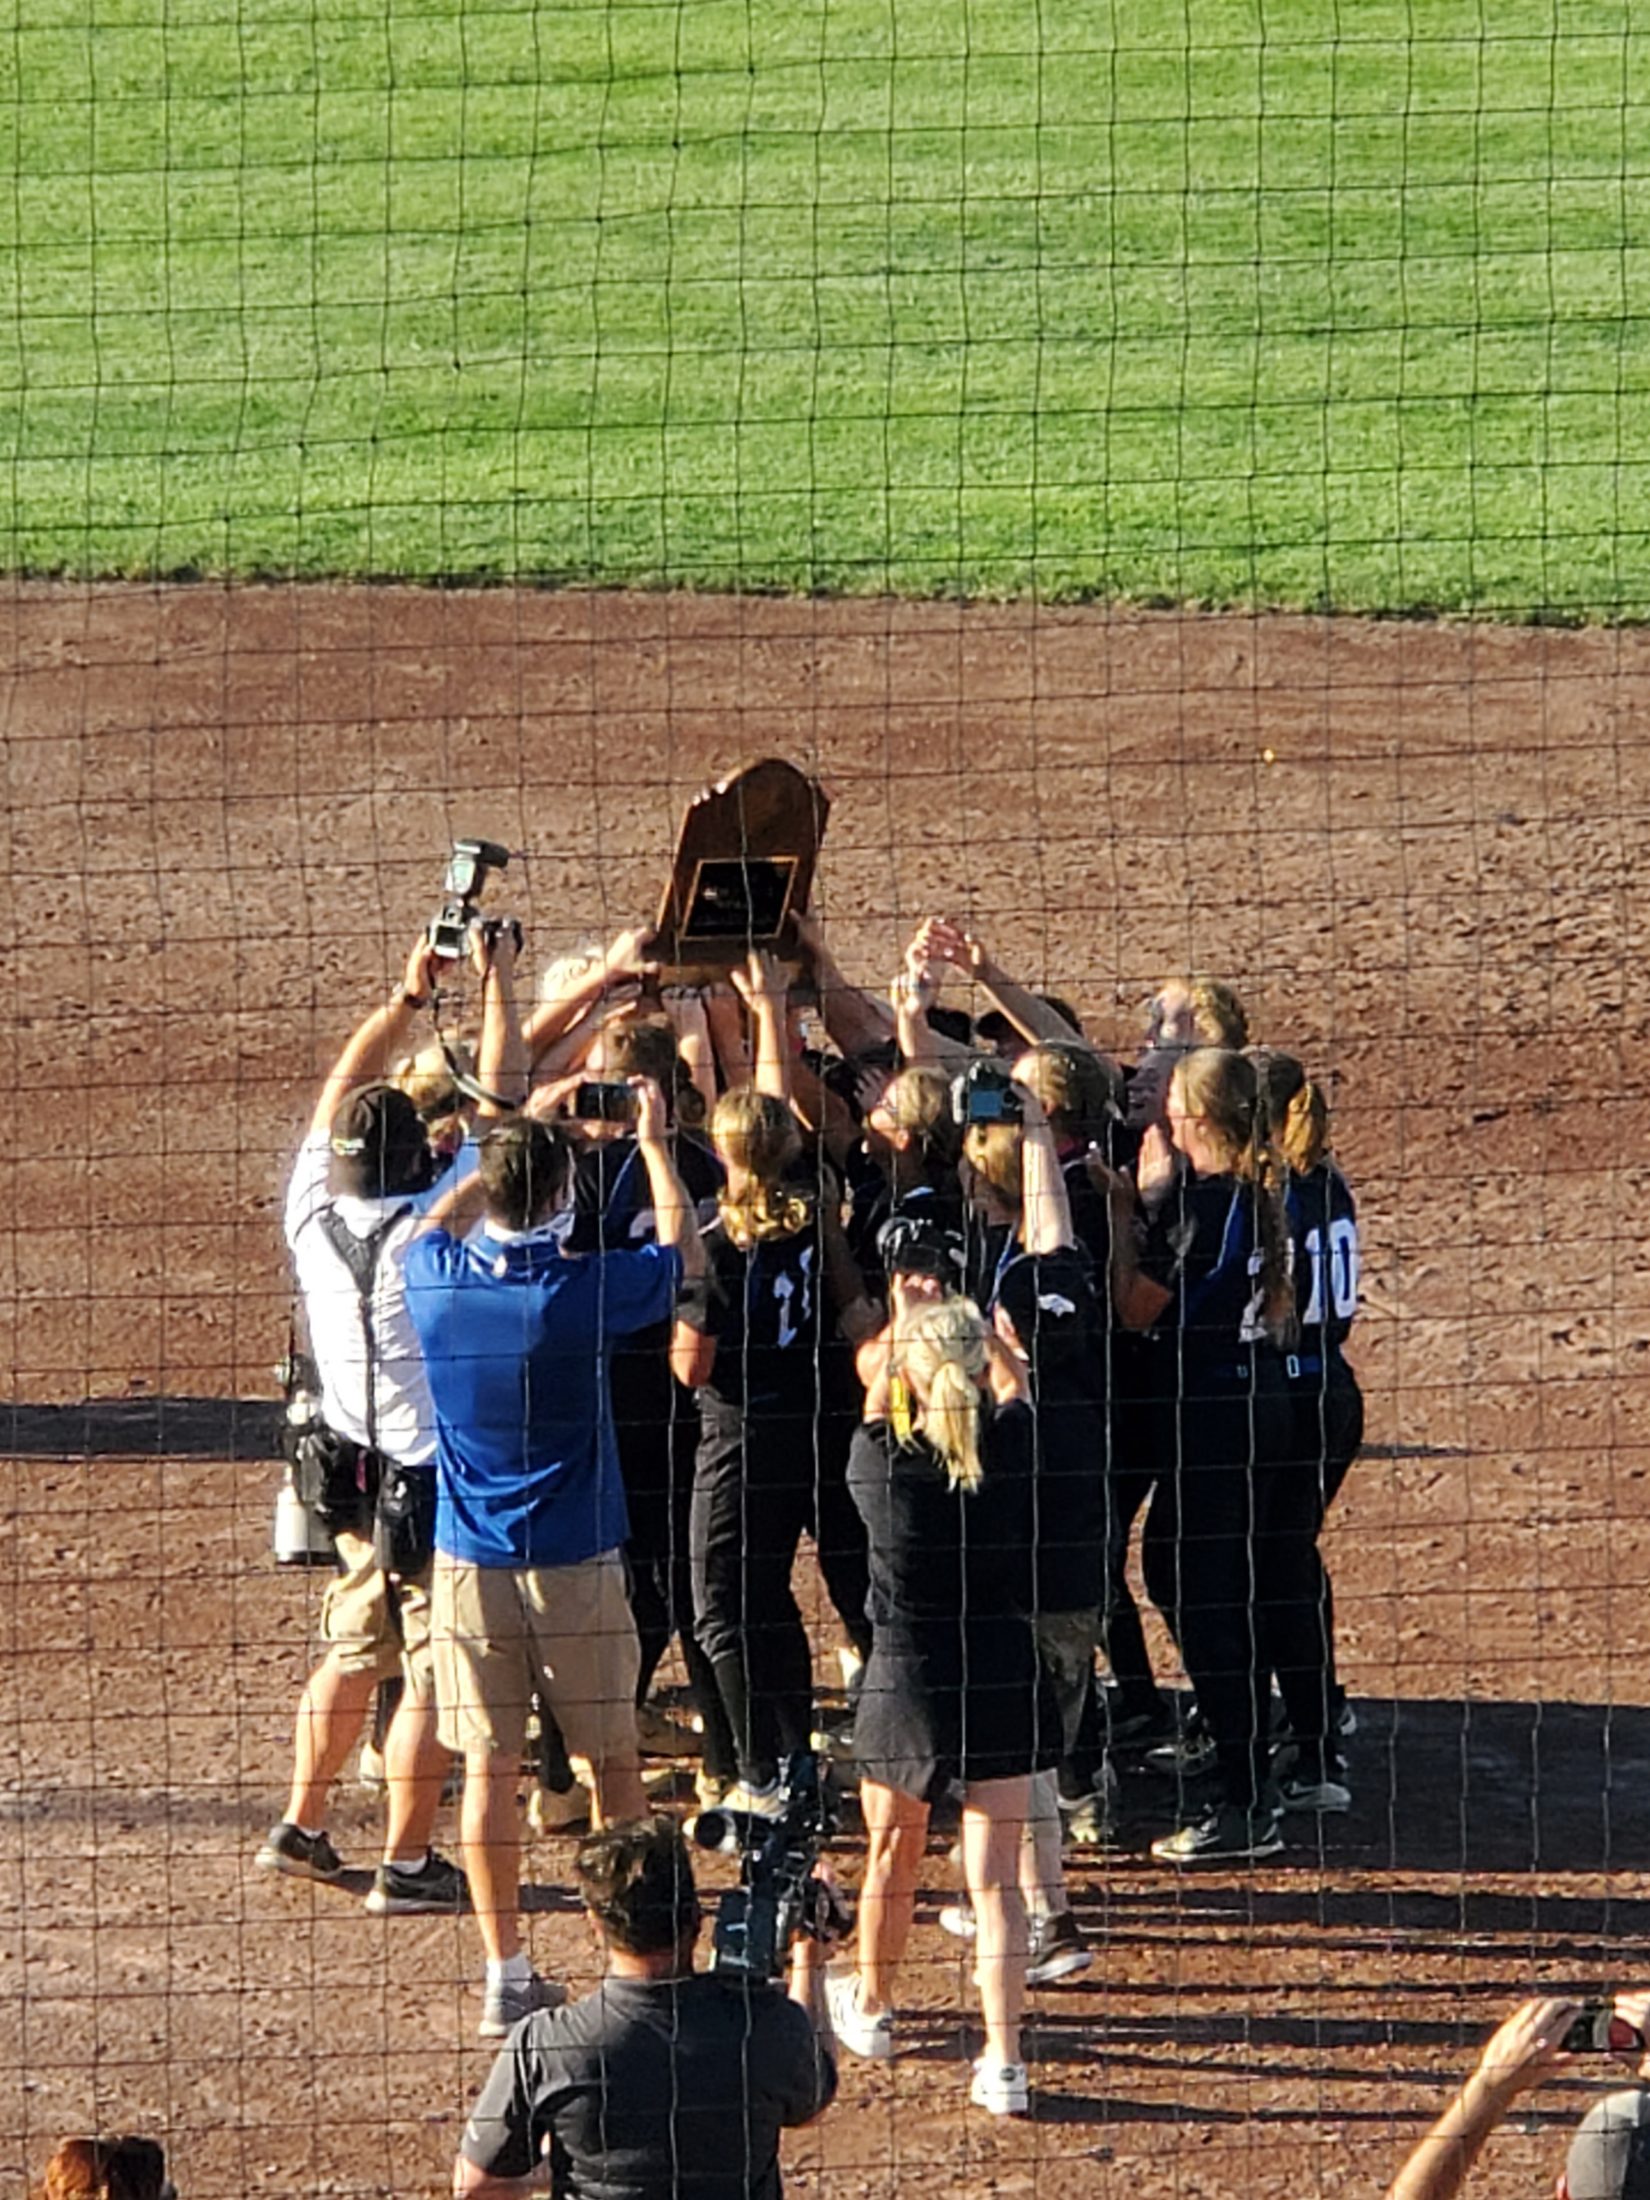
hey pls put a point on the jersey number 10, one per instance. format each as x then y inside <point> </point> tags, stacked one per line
<point>1343,1273</point>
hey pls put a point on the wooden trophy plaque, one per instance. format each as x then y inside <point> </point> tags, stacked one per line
<point>744,866</point>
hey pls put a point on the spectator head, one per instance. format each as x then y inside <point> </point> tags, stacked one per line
<point>911,1132</point>
<point>107,2169</point>
<point>645,1046</point>
<point>1297,1107</point>
<point>1609,2156</point>
<point>637,1883</point>
<point>379,1149</point>
<point>759,1143</point>
<point>1196,1012</point>
<point>444,1110</point>
<point>1080,1090</point>
<point>526,1170</point>
<point>942,1356</point>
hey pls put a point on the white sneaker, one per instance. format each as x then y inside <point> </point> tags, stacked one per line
<point>1001,2089</point>
<point>859,2033</point>
<point>958,1919</point>
<point>548,1812</point>
<point>756,1802</point>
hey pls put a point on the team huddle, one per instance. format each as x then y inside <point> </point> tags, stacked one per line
<point>607,1315</point>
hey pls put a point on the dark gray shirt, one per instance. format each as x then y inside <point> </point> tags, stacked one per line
<point>653,2089</point>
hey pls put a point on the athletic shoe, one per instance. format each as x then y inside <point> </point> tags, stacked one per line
<point>658,1735</point>
<point>1226,1832</point>
<point>711,1789</point>
<point>510,1999</point>
<point>1187,1753</point>
<point>369,1773</point>
<point>851,1666</point>
<point>435,1885</point>
<point>299,1855</point>
<point>1328,1792</point>
<point>858,2032</point>
<point>958,1919</point>
<point>1001,2089</point>
<point>550,1812</point>
<point>757,1802</point>
<point>1091,1822</point>
<point>1057,1950</point>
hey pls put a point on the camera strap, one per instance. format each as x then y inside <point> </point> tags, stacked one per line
<point>361,1255</point>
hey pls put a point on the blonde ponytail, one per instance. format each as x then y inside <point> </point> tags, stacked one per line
<point>1297,1106</point>
<point>757,1139</point>
<point>941,1353</point>
<point>1230,1093</point>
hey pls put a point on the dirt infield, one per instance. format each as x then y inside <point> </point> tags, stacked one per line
<point>1414,848</point>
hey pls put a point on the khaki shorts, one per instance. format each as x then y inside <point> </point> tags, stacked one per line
<point>1065,1643</point>
<point>360,1628</point>
<point>502,1634</point>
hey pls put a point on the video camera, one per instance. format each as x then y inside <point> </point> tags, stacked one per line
<point>780,1894</point>
<point>985,1093</point>
<point>468,869</point>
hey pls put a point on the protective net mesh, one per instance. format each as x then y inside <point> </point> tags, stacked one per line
<point>906,379</point>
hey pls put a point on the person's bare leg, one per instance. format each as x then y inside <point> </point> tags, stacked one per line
<point>617,1792</point>
<point>896,1830</point>
<point>415,1771</point>
<point>993,1813</point>
<point>330,1716</point>
<point>491,1829</point>
<point>1042,1864</point>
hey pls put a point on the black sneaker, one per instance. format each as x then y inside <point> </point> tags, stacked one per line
<point>299,1855</point>
<point>1138,1730</point>
<point>1229,1831</point>
<point>435,1885</point>
<point>1057,1950</point>
<point>1322,1791</point>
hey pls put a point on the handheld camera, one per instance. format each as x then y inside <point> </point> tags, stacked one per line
<point>596,1101</point>
<point>779,1894</point>
<point>984,1093</point>
<point>468,869</point>
<point>1600,2030</point>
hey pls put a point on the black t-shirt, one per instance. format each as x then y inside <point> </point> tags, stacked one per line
<point>769,1314</point>
<point>1323,1222</point>
<point>1063,1333</point>
<point>648,2089</point>
<point>937,1552</point>
<point>1201,1246</point>
<point>613,1211</point>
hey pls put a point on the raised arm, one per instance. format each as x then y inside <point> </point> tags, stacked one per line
<point>376,1042</point>
<point>688,1019</point>
<point>1137,1298</point>
<point>855,1019</point>
<point>761,986</point>
<point>1033,1019</point>
<point>501,1058</point>
<point>1518,2056</point>
<point>916,989</point>
<point>552,1018</point>
<point>1045,1205</point>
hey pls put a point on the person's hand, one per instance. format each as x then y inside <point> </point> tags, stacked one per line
<point>1154,1168</point>
<point>1528,2046</point>
<point>1111,1183</point>
<point>810,932</point>
<point>419,978</point>
<point>919,978</point>
<point>545,1102</point>
<point>652,1120</point>
<point>495,942</point>
<point>628,952</point>
<point>946,942</point>
<point>761,983</point>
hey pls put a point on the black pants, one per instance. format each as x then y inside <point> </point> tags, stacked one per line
<point>1329,1432</point>
<point>656,1458</point>
<point>753,1496</point>
<point>836,1527</point>
<point>1229,1553</point>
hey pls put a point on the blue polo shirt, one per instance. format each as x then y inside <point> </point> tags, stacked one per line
<point>516,1339</point>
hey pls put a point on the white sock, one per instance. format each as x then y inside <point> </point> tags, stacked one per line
<point>414,1863</point>
<point>513,1970</point>
<point>310,1833</point>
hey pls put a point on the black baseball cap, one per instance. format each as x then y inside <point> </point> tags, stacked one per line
<point>913,1245</point>
<point>378,1142</point>
<point>1609,2156</point>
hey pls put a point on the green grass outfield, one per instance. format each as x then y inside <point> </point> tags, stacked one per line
<point>1229,300</point>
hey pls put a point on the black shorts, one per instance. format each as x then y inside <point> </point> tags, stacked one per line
<point>954,1701</point>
